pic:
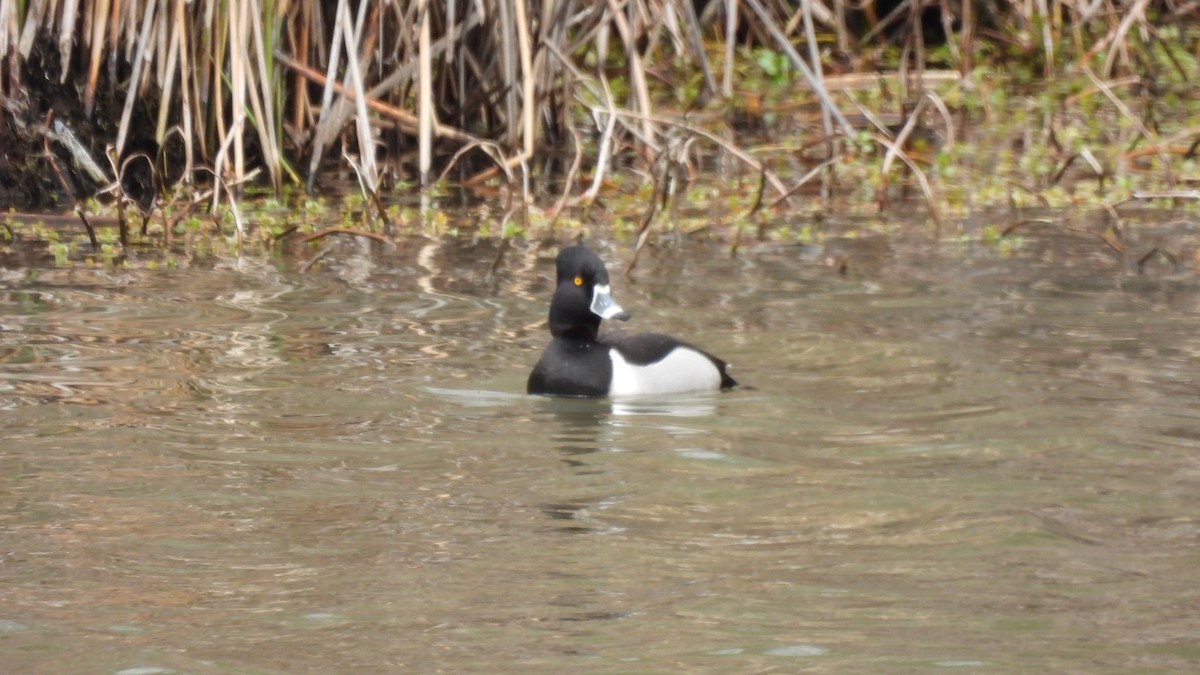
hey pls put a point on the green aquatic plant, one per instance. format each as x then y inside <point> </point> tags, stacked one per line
<point>61,252</point>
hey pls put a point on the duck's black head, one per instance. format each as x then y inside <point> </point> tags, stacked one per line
<point>582,298</point>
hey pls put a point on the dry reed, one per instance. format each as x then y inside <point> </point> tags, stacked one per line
<point>248,85</point>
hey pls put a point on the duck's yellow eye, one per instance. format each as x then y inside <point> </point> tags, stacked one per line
<point>578,281</point>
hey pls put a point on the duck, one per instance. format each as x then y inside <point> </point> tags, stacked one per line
<point>579,362</point>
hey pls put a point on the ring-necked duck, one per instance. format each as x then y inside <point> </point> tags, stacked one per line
<point>579,362</point>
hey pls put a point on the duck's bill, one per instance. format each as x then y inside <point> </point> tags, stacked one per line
<point>604,307</point>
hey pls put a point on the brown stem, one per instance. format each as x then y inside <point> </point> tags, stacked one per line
<point>405,120</point>
<point>62,179</point>
<point>320,234</point>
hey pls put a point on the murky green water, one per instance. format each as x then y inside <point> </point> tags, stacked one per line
<point>948,461</point>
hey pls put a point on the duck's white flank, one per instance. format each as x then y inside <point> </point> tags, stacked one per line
<point>682,370</point>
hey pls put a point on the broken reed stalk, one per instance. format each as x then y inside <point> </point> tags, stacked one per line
<point>344,232</point>
<point>424,96</point>
<point>407,121</point>
<point>1150,136</point>
<point>637,72</point>
<point>528,93</point>
<point>134,81</point>
<point>926,188</point>
<point>731,26</point>
<point>322,134</point>
<point>66,185</point>
<point>367,171</point>
<point>263,97</point>
<point>814,55</point>
<point>96,38</point>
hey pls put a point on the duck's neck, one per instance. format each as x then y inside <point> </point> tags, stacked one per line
<point>568,320</point>
<point>574,331</point>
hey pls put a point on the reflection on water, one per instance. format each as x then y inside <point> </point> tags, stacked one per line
<point>947,460</point>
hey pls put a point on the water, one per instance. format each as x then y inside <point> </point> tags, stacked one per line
<point>947,460</point>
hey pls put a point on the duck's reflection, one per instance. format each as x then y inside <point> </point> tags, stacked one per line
<point>701,404</point>
<point>580,515</point>
<point>589,425</point>
<point>581,427</point>
<point>586,426</point>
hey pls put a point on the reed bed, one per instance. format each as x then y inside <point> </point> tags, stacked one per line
<point>216,94</point>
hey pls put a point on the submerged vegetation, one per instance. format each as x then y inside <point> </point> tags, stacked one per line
<point>177,121</point>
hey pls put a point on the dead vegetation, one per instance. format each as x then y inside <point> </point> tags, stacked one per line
<point>186,102</point>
